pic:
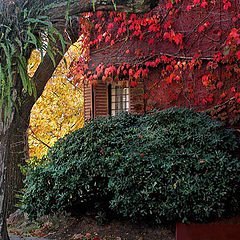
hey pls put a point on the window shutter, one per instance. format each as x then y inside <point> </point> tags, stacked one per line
<point>87,92</point>
<point>101,99</point>
<point>136,99</point>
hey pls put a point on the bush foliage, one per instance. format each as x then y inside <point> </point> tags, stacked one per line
<point>172,165</point>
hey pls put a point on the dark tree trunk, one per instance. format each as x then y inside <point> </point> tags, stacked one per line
<point>5,135</point>
<point>13,152</point>
<point>17,156</point>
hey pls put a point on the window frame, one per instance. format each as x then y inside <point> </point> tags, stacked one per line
<point>122,103</point>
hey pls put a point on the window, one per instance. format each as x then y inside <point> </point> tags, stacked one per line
<point>119,99</point>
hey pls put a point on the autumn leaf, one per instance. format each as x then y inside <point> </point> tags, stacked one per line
<point>204,4</point>
<point>133,84</point>
<point>200,28</point>
<point>60,108</point>
<point>238,55</point>
<point>196,2</point>
<point>189,7</point>
<point>219,84</point>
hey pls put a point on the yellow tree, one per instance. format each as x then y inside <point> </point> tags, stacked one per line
<point>60,108</point>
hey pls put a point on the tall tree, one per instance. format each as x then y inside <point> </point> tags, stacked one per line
<point>26,25</point>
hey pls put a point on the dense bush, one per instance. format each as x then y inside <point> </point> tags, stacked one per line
<point>173,165</point>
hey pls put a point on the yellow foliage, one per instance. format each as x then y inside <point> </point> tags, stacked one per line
<point>60,108</point>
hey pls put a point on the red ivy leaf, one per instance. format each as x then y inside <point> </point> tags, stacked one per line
<point>189,7</point>
<point>219,84</point>
<point>110,26</point>
<point>99,13</point>
<point>205,80</point>
<point>238,55</point>
<point>196,2</point>
<point>169,5</point>
<point>200,28</point>
<point>151,41</point>
<point>223,95</point>
<point>178,38</point>
<point>227,5</point>
<point>210,98</point>
<point>107,38</point>
<point>100,37</point>
<point>169,68</point>
<point>177,78</point>
<point>133,84</point>
<point>237,95</point>
<point>206,24</point>
<point>204,4</point>
<point>130,72</point>
<point>234,19</point>
<point>166,35</point>
<point>168,24</point>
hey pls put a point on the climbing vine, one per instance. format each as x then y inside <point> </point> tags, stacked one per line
<point>188,52</point>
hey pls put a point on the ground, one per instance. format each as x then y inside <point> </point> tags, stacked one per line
<point>66,227</point>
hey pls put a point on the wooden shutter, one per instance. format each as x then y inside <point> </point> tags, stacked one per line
<point>88,108</point>
<point>136,99</point>
<point>101,99</point>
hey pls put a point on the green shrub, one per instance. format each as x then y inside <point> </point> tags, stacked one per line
<point>172,165</point>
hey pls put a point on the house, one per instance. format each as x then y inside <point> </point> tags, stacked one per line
<point>173,56</point>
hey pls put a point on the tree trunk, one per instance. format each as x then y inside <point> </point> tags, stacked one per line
<point>13,152</point>
<point>4,162</point>
<point>17,156</point>
<point>4,151</point>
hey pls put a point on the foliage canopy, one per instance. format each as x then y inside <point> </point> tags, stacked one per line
<point>24,27</point>
<point>59,110</point>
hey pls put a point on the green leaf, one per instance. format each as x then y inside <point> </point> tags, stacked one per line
<point>50,54</point>
<point>22,69</point>
<point>35,20</point>
<point>93,4</point>
<point>32,37</point>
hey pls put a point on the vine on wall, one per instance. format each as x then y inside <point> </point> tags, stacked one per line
<point>188,52</point>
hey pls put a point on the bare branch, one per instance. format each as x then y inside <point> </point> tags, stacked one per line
<point>58,10</point>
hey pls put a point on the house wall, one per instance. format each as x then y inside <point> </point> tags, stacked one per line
<point>207,42</point>
<point>189,91</point>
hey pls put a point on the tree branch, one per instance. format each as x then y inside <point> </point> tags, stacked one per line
<point>58,10</point>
